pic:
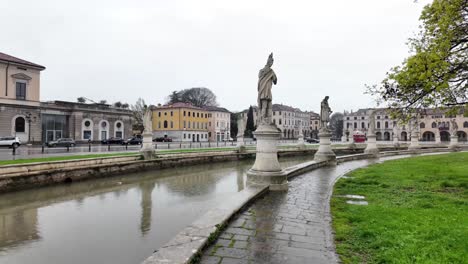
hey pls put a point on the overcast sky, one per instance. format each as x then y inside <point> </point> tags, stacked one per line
<point>121,50</point>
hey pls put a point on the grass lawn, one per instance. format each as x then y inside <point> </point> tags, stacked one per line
<point>74,157</point>
<point>417,212</point>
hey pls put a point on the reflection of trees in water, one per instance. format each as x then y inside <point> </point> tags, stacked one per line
<point>146,206</point>
<point>18,228</point>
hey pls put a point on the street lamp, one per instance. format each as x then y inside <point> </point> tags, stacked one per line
<point>28,118</point>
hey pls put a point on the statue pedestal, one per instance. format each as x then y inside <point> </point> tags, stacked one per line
<point>266,169</point>
<point>414,145</point>
<point>325,153</point>
<point>344,139</point>
<point>300,142</point>
<point>240,144</point>
<point>147,149</point>
<point>453,142</point>
<point>396,143</point>
<point>371,147</point>
<point>437,138</point>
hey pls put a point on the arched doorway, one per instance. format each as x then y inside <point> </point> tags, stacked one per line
<point>378,135</point>
<point>387,136</point>
<point>444,136</point>
<point>404,136</point>
<point>285,134</point>
<point>20,128</point>
<point>461,136</point>
<point>428,136</point>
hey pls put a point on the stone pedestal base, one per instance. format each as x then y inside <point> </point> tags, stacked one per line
<point>325,152</point>
<point>414,145</point>
<point>371,147</point>
<point>266,169</point>
<point>147,149</point>
<point>396,143</point>
<point>453,143</point>
<point>437,138</point>
<point>300,142</point>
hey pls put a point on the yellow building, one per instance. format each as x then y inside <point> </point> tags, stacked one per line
<point>181,122</point>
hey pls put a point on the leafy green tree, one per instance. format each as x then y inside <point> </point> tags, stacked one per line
<point>336,125</point>
<point>103,102</point>
<point>250,126</point>
<point>436,74</point>
<point>81,100</point>
<point>234,128</point>
<point>118,104</point>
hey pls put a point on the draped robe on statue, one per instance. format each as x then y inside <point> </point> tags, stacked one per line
<point>266,78</point>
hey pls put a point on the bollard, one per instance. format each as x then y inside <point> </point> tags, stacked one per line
<point>14,149</point>
<point>68,148</point>
<point>126,146</point>
<point>168,145</point>
<point>42,148</point>
<point>180,146</point>
<point>89,146</point>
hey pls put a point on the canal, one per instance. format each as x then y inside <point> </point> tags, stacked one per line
<point>117,220</point>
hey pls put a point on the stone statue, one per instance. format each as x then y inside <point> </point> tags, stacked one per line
<point>266,79</point>
<point>395,129</point>
<point>372,122</point>
<point>147,121</point>
<point>454,127</point>
<point>325,112</point>
<point>240,126</point>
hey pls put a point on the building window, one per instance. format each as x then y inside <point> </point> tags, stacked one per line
<point>172,124</point>
<point>159,124</point>
<point>355,118</point>
<point>347,118</point>
<point>378,124</point>
<point>434,125</point>
<point>386,124</point>
<point>165,124</point>
<point>198,114</point>
<point>279,121</point>
<point>172,114</point>
<point>184,115</point>
<point>422,125</point>
<point>185,124</point>
<point>363,125</point>
<point>185,136</point>
<point>189,124</point>
<point>20,124</point>
<point>465,124</point>
<point>189,135</point>
<point>159,114</point>
<point>362,118</point>
<point>87,134</point>
<point>188,113</point>
<point>355,125</point>
<point>20,91</point>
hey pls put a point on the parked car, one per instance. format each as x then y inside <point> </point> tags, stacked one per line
<point>10,142</point>
<point>163,139</point>
<point>112,140</point>
<point>228,139</point>
<point>62,142</point>
<point>132,141</point>
<point>312,140</point>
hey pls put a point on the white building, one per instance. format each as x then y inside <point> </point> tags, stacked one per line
<point>219,124</point>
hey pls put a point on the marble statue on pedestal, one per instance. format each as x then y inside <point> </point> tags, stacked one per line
<point>266,79</point>
<point>147,148</point>
<point>453,135</point>
<point>266,169</point>
<point>147,121</point>
<point>325,152</point>
<point>371,147</point>
<point>325,112</point>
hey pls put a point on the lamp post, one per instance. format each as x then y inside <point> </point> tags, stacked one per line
<point>28,118</point>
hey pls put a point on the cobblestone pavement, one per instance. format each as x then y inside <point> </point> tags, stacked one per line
<point>284,227</point>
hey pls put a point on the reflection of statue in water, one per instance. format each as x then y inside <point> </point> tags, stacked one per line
<point>147,123</point>
<point>325,112</point>
<point>240,126</point>
<point>454,127</point>
<point>146,206</point>
<point>266,79</point>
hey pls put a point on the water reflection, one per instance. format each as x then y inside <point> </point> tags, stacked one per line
<point>18,228</point>
<point>121,219</point>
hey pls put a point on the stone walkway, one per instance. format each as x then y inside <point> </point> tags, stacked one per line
<point>292,227</point>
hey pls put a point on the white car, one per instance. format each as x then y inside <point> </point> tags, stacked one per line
<point>10,142</point>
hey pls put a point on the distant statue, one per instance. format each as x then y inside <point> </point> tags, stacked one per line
<point>454,127</point>
<point>147,120</point>
<point>240,126</point>
<point>325,112</point>
<point>372,122</point>
<point>266,79</point>
<point>395,129</point>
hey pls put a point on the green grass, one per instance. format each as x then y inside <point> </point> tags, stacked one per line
<point>417,212</point>
<point>24,161</point>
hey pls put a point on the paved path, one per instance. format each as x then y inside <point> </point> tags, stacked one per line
<point>292,227</point>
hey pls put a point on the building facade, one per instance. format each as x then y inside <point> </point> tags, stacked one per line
<point>22,114</point>
<point>219,125</point>
<point>181,122</point>
<point>433,125</point>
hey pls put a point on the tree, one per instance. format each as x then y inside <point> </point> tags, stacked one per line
<point>336,125</point>
<point>250,126</point>
<point>138,111</point>
<point>118,104</point>
<point>436,74</point>
<point>198,96</point>
<point>125,106</point>
<point>234,128</point>
<point>103,102</point>
<point>81,100</point>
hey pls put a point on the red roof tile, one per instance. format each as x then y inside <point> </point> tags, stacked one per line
<point>9,58</point>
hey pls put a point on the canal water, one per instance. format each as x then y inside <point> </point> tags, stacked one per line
<point>119,220</point>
